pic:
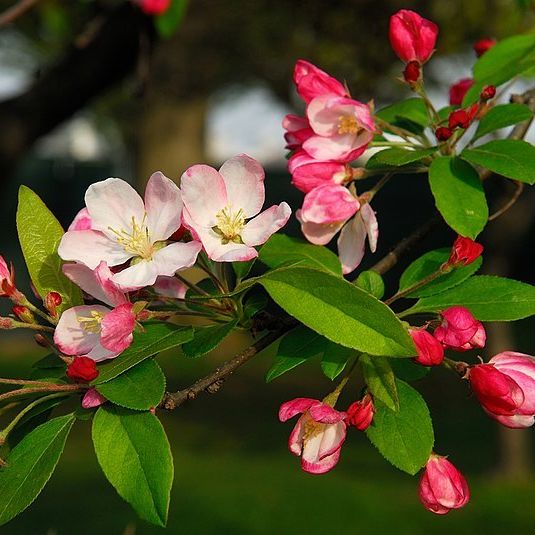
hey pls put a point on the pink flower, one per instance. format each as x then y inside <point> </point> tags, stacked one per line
<point>317,436</point>
<point>459,330</point>
<point>297,131</point>
<point>217,206</point>
<point>464,251</point>
<point>153,7</point>
<point>92,398</point>
<point>7,279</point>
<point>312,82</point>
<point>505,387</point>
<point>124,228</point>
<point>82,221</point>
<point>458,91</point>
<point>430,350</point>
<point>170,287</point>
<point>412,37</point>
<point>442,486</point>
<point>96,331</point>
<point>328,205</point>
<point>342,127</point>
<point>360,413</point>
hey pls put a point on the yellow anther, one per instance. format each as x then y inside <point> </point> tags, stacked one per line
<point>347,124</point>
<point>92,324</point>
<point>136,240</point>
<point>229,225</point>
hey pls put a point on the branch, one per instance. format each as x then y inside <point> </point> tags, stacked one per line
<point>16,11</point>
<point>519,188</point>
<point>212,382</point>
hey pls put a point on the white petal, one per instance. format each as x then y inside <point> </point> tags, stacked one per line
<point>259,229</point>
<point>163,203</point>
<point>244,181</point>
<point>138,275</point>
<point>176,256</point>
<point>228,252</point>
<point>372,227</point>
<point>351,243</point>
<point>87,280</point>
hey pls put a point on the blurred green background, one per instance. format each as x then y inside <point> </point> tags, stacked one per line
<point>89,90</point>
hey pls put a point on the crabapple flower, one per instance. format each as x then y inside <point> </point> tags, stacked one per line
<point>317,436</point>
<point>412,37</point>
<point>170,287</point>
<point>153,7</point>
<point>505,387</point>
<point>342,127</point>
<point>297,131</point>
<point>217,206</point>
<point>92,398</point>
<point>458,91</point>
<point>360,413</point>
<point>483,45</point>
<point>430,350</point>
<point>312,82</point>
<point>81,221</point>
<point>464,251</point>
<point>126,228</point>
<point>442,486</point>
<point>7,279</point>
<point>96,331</point>
<point>459,330</point>
<point>82,369</point>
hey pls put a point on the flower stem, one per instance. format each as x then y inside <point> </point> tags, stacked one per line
<point>415,286</point>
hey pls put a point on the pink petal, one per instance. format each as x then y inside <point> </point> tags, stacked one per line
<point>325,414</point>
<point>260,228</point>
<point>117,327</point>
<point>351,244</point>
<point>371,225</point>
<point>100,353</point>
<point>82,221</point>
<point>92,398</point>
<point>163,203</point>
<point>244,182</point>
<point>295,440</point>
<point>204,194</point>
<point>516,421</point>
<point>295,406</point>
<point>170,287</point>
<point>323,441</point>
<point>323,465</point>
<point>316,233</point>
<point>328,204</point>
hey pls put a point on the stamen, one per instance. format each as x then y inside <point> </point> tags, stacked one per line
<point>348,124</point>
<point>137,241</point>
<point>229,225</point>
<point>92,324</point>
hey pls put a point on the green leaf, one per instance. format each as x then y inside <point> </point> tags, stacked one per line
<point>157,337</point>
<point>206,339</point>
<point>380,379</point>
<point>430,263</point>
<point>169,21</point>
<point>335,359</point>
<point>134,454</point>
<point>49,361</point>
<point>30,465</point>
<point>242,269</point>
<point>502,116</point>
<point>512,158</point>
<point>39,235</point>
<point>141,387</point>
<point>405,438</point>
<point>397,157</point>
<point>506,59</point>
<point>340,311</point>
<point>410,114</point>
<point>408,370</point>
<point>459,195</point>
<point>281,249</point>
<point>488,298</point>
<point>295,348</point>
<point>371,282</point>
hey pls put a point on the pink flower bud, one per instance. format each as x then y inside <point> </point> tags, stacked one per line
<point>459,330</point>
<point>459,119</point>
<point>153,7</point>
<point>458,91</point>
<point>7,279</point>
<point>23,314</point>
<point>488,92</point>
<point>360,413</point>
<point>312,82</point>
<point>92,398</point>
<point>464,251</point>
<point>6,323</point>
<point>412,37</point>
<point>483,45</point>
<point>52,301</point>
<point>297,131</point>
<point>329,204</point>
<point>505,387</point>
<point>412,72</point>
<point>442,486</point>
<point>443,133</point>
<point>430,350</point>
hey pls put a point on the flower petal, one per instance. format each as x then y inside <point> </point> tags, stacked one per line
<point>371,225</point>
<point>259,229</point>
<point>351,244</point>
<point>117,327</point>
<point>92,398</point>
<point>176,256</point>
<point>295,406</point>
<point>170,287</point>
<point>82,221</point>
<point>323,465</point>
<point>326,414</point>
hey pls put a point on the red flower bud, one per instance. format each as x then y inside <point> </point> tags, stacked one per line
<point>360,413</point>
<point>443,133</point>
<point>52,301</point>
<point>481,46</point>
<point>464,251</point>
<point>7,279</point>
<point>82,370</point>
<point>23,314</point>
<point>412,72</point>
<point>6,323</point>
<point>458,91</point>
<point>459,330</point>
<point>459,119</point>
<point>442,486</point>
<point>430,350</point>
<point>153,7</point>
<point>488,92</point>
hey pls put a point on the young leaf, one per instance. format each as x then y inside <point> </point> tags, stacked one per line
<point>371,282</point>
<point>134,454</point>
<point>459,195</point>
<point>30,465</point>
<point>502,116</point>
<point>512,158</point>
<point>335,359</point>
<point>429,263</point>
<point>396,157</point>
<point>281,249</point>
<point>169,21</point>
<point>488,298</point>
<point>412,110</point>
<point>206,339</point>
<point>39,235</point>
<point>339,310</point>
<point>140,388</point>
<point>405,438</point>
<point>380,380</point>
<point>295,348</point>
<point>157,337</point>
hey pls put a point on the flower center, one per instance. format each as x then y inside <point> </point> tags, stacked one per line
<point>136,240</point>
<point>92,324</point>
<point>229,225</point>
<point>312,429</point>
<point>347,124</point>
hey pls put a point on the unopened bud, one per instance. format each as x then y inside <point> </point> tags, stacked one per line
<point>488,92</point>
<point>412,72</point>
<point>360,413</point>
<point>464,251</point>
<point>483,45</point>
<point>6,323</point>
<point>443,133</point>
<point>459,119</point>
<point>23,314</point>
<point>52,301</point>
<point>82,370</point>
<point>41,340</point>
